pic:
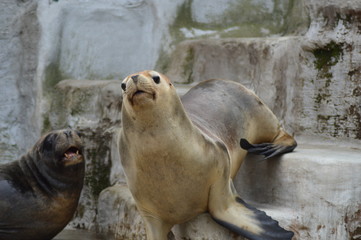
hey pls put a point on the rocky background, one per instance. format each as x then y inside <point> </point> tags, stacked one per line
<point>61,62</point>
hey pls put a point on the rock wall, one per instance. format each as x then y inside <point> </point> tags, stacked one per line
<point>311,82</point>
<point>330,96</point>
<point>19,37</point>
<point>268,66</point>
<point>93,108</point>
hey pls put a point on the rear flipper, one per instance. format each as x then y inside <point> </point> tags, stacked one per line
<point>251,223</point>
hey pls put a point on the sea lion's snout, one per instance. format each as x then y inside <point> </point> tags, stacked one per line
<point>139,88</point>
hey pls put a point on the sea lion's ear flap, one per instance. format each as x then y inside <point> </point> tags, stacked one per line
<point>79,133</point>
<point>267,149</point>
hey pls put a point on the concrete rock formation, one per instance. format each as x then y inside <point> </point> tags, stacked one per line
<point>124,222</point>
<point>301,57</point>
<point>19,35</point>
<point>314,191</point>
<point>93,108</point>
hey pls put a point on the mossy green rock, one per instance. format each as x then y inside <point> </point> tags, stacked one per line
<point>93,108</point>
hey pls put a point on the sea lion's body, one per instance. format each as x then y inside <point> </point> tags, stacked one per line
<point>39,192</point>
<point>179,156</point>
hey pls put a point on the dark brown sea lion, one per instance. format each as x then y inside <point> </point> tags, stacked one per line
<point>39,192</point>
<point>179,156</point>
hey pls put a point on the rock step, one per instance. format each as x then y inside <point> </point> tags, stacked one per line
<point>76,234</point>
<point>314,191</point>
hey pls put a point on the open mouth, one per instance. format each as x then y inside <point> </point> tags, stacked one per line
<point>72,156</point>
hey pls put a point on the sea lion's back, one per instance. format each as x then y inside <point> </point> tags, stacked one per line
<point>229,110</point>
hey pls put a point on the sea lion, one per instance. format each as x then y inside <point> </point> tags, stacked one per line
<point>39,193</point>
<point>179,156</point>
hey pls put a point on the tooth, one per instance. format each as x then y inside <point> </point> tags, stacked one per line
<point>77,152</point>
<point>66,155</point>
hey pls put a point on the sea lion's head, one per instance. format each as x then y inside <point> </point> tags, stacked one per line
<point>60,149</point>
<point>145,89</point>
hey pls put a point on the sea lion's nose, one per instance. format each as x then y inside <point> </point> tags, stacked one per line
<point>79,133</point>
<point>124,86</point>
<point>135,78</point>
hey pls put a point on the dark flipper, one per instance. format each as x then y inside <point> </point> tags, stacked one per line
<point>267,149</point>
<point>269,228</point>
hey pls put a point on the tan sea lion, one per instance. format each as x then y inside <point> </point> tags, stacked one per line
<point>39,193</point>
<point>179,156</point>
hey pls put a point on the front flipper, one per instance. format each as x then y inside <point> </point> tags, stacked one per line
<point>267,149</point>
<point>250,222</point>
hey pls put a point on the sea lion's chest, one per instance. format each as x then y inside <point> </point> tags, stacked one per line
<point>34,204</point>
<point>169,168</point>
<point>167,155</point>
<point>26,205</point>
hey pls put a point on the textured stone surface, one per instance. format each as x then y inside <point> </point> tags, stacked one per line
<point>203,227</point>
<point>118,214</point>
<point>76,234</point>
<point>232,18</point>
<point>316,189</point>
<point>312,82</point>
<point>331,70</point>
<point>102,39</point>
<point>268,66</point>
<point>311,87</point>
<point>19,35</point>
<point>93,108</point>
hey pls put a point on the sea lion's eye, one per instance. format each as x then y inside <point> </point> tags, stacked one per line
<point>124,86</point>
<point>156,79</point>
<point>48,142</point>
<point>79,133</point>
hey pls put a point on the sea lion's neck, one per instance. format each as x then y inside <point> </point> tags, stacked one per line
<point>153,125</point>
<point>168,114</point>
<point>41,178</point>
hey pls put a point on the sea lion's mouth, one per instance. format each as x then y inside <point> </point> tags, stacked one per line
<point>72,156</point>
<point>140,93</point>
